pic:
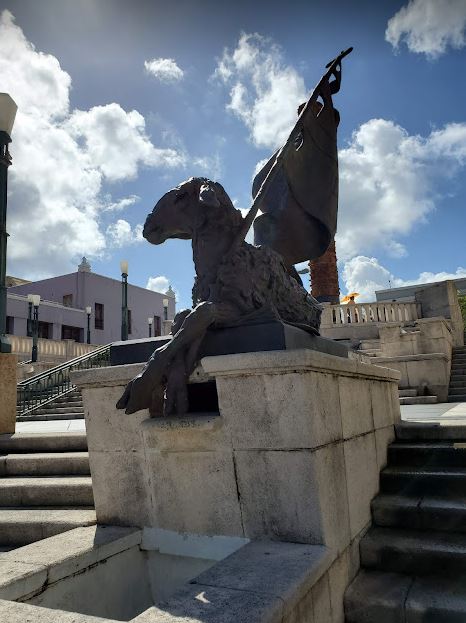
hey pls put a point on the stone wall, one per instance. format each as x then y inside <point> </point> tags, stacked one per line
<point>292,457</point>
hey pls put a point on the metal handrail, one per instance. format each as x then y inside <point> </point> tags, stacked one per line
<point>38,390</point>
<point>24,363</point>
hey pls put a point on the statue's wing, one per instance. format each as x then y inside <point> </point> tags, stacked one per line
<point>299,210</point>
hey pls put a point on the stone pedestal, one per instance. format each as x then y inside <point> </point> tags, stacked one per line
<point>8,364</point>
<point>294,454</point>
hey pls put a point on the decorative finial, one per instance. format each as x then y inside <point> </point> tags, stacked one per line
<point>84,267</point>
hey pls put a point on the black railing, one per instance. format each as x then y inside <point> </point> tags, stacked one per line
<point>38,390</point>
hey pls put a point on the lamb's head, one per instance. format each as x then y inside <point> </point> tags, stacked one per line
<point>189,207</point>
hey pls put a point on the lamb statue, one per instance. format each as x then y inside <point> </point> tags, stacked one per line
<point>238,283</point>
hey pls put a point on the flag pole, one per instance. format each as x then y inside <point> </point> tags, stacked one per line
<point>251,215</point>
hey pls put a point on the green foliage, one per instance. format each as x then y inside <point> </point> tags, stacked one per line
<point>462,302</point>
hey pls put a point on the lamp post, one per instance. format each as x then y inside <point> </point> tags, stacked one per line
<point>150,320</point>
<point>29,323</point>
<point>88,312</point>
<point>165,309</point>
<point>35,298</point>
<point>124,296</point>
<point>8,110</point>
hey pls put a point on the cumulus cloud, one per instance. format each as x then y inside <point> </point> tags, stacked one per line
<point>265,92</point>
<point>366,275</point>
<point>158,284</point>
<point>61,158</point>
<point>389,181</point>
<point>164,69</point>
<point>429,26</point>
<point>121,204</point>
<point>121,234</point>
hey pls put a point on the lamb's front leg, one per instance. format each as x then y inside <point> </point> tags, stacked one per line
<point>139,392</point>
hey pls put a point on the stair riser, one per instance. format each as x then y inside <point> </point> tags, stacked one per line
<point>72,496</point>
<point>409,432</point>
<point>18,534</point>
<point>422,484</point>
<point>459,383</point>
<point>457,391</point>
<point>450,520</point>
<point>444,457</point>
<point>43,443</point>
<point>364,612</point>
<point>56,467</point>
<point>419,563</point>
<point>456,398</point>
<point>61,410</point>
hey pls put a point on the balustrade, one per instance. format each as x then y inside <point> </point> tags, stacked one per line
<point>360,313</point>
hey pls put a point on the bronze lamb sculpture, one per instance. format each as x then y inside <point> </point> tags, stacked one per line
<point>236,282</point>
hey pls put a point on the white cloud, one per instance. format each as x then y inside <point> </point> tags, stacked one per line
<point>116,141</point>
<point>121,234</point>
<point>429,26</point>
<point>265,91</point>
<point>165,69</point>
<point>158,284</point>
<point>389,181</point>
<point>366,275</point>
<point>121,204</point>
<point>61,159</point>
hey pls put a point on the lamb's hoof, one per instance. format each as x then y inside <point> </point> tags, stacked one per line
<point>123,401</point>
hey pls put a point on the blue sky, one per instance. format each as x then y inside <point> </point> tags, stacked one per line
<point>119,102</point>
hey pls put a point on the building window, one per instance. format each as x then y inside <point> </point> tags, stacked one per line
<point>129,321</point>
<point>68,300</point>
<point>99,316</point>
<point>44,330</point>
<point>157,326</point>
<point>72,333</point>
<point>10,323</point>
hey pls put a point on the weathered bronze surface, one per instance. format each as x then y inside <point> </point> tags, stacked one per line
<point>236,282</point>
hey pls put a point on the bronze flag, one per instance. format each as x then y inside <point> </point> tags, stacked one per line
<point>299,200</point>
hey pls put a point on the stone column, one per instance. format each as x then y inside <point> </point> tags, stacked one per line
<point>324,277</point>
<point>8,364</point>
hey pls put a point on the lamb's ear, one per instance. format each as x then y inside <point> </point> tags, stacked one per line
<point>208,196</point>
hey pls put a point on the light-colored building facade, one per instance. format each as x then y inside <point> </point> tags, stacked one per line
<point>62,311</point>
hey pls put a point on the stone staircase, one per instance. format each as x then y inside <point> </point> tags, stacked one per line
<point>45,486</point>
<point>66,407</point>
<point>413,558</point>
<point>457,388</point>
<point>411,397</point>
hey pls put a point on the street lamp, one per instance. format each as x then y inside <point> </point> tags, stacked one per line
<point>8,110</point>
<point>29,322</point>
<point>88,312</point>
<point>150,320</point>
<point>35,299</point>
<point>124,296</point>
<point>165,309</point>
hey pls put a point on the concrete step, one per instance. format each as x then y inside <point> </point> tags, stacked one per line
<point>445,453</point>
<point>407,393</point>
<point>413,552</point>
<point>459,357</point>
<point>49,416</point>
<point>377,597</point>
<point>458,369</point>
<point>58,410</point>
<point>67,403</point>
<point>419,400</point>
<point>435,481</point>
<point>420,512</point>
<point>45,464</point>
<point>459,381</point>
<point>457,391</point>
<point>21,526</point>
<point>419,431</point>
<point>52,491</point>
<point>457,398</point>
<point>43,442</point>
